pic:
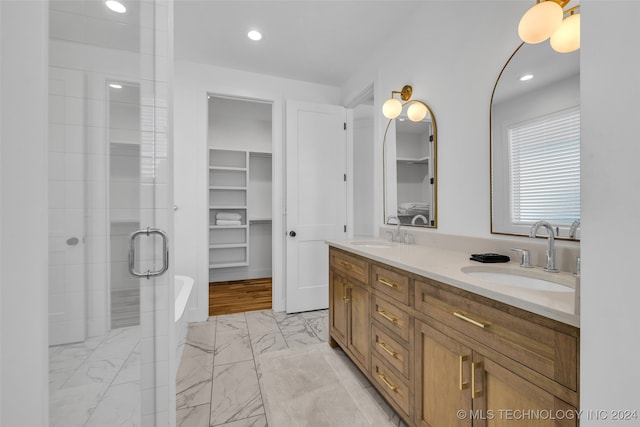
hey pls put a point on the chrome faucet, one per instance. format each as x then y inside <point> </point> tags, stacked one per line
<point>395,237</point>
<point>574,227</point>
<point>551,249</point>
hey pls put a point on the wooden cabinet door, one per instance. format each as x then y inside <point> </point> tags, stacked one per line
<point>359,324</point>
<point>443,379</point>
<point>502,398</point>
<point>338,293</point>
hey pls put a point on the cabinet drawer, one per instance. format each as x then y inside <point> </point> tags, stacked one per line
<point>352,266</point>
<point>390,350</point>
<point>390,383</point>
<point>391,283</point>
<point>393,317</point>
<point>541,348</point>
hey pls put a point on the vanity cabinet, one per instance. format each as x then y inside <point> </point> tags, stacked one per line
<point>349,303</point>
<point>459,386</point>
<point>443,356</point>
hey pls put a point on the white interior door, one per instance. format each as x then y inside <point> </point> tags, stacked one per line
<point>316,199</point>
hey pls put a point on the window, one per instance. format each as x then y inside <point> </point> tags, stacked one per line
<point>544,164</point>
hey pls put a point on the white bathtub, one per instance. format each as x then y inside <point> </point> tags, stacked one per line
<point>183,290</point>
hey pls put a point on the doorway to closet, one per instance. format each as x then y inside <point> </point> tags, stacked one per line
<point>240,191</point>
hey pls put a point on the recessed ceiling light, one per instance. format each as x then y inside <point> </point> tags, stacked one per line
<point>254,35</point>
<point>116,6</point>
<point>115,85</point>
<point>526,77</point>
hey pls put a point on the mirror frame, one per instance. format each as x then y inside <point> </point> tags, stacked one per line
<point>433,163</point>
<point>491,154</point>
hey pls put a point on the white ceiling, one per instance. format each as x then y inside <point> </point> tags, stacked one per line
<point>321,41</point>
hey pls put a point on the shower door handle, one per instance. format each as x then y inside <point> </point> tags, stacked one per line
<point>132,252</point>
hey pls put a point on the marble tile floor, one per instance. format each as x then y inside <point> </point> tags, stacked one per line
<point>96,382</point>
<point>217,380</point>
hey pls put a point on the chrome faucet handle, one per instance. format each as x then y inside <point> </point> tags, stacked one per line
<point>525,261</point>
<point>408,238</point>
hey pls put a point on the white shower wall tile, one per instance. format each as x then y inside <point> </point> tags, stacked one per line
<point>74,111</point>
<point>56,166</point>
<point>74,195</point>
<point>56,109</point>
<point>74,166</point>
<point>57,137</point>
<point>74,137</point>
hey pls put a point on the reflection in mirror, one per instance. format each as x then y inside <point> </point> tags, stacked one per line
<point>535,142</point>
<point>409,171</point>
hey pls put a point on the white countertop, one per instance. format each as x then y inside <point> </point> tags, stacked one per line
<point>446,266</point>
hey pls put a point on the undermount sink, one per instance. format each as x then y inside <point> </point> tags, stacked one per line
<point>517,280</point>
<point>372,244</point>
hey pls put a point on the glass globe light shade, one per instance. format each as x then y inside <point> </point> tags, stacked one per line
<point>416,112</point>
<point>567,38</point>
<point>540,22</point>
<point>391,108</point>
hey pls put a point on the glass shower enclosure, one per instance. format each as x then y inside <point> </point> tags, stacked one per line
<point>110,331</point>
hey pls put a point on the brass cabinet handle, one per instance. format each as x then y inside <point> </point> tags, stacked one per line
<point>346,264</point>
<point>462,384</point>
<point>470,320</point>
<point>475,393</point>
<point>387,282</point>
<point>391,352</point>
<point>345,296</point>
<point>392,386</point>
<point>387,316</point>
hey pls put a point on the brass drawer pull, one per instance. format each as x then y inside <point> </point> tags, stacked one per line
<point>387,282</point>
<point>470,320</point>
<point>392,386</point>
<point>462,384</point>
<point>346,264</point>
<point>387,316</point>
<point>389,351</point>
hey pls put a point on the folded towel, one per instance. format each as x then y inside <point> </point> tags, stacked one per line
<point>414,205</point>
<point>227,222</point>
<point>232,216</point>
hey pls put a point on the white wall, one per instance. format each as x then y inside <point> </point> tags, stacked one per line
<point>191,85</point>
<point>610,92</point>
<point>23,226</point>
<point>364,223</point>
<point>454,72</point>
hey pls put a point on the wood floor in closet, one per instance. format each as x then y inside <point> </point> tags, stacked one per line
<point>239,296</point>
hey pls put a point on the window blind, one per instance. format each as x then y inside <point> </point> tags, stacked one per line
<point>545,169</point>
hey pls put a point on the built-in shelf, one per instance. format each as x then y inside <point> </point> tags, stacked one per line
<point>228,181</point>
<point>416,161</point>
<point>259,220</point>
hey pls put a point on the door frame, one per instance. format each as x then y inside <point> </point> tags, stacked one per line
<point>277,196</point>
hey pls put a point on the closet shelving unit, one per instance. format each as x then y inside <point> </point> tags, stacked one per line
<point>228,193</point>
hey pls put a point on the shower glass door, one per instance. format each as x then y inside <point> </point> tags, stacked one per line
<point>110,332</point>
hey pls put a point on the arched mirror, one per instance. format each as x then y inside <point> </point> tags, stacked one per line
<point>409,170</point>
<point>535,142</point>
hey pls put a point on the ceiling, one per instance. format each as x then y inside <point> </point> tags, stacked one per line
<point>320,41</point>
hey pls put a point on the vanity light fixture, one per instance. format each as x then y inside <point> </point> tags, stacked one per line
<point>116,6</point>
<point>392,107</point>
<point>547,20</point>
